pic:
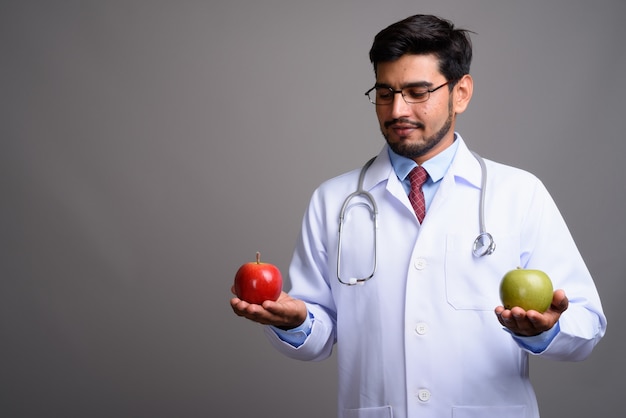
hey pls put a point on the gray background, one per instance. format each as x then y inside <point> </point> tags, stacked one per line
<point>149,148</point>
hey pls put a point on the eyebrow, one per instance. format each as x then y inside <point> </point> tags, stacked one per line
<point>425,84</point>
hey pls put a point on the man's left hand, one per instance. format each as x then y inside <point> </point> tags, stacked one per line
<point>530,323</point>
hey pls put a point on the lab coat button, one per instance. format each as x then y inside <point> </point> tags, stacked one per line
<point>423,395</point>
<point>421,328</point>
<point>420,264</point>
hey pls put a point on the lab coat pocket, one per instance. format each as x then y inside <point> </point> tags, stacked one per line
<point>377,412</point>
<point>473,283</point>
<point>513,411</point>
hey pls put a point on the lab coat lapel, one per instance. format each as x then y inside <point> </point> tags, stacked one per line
<point>464,169</point>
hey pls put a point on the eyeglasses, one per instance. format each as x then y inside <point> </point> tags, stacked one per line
<point>381,95</point>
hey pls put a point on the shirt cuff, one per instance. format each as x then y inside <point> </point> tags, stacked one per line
<point>295,336</point>
<point>537,343</point>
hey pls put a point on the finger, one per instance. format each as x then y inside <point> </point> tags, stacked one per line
<point>499,311</point>
<point>274,307</point>
<point>244,308</point>
<point>256,313</point>
<point>237,307</point>
<point>507,319</point>
<point>560,302</point>
<point>238,312</point>
<point>537,320</point>
<point>517,321</point>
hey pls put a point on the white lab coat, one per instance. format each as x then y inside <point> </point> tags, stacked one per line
<point>420,339</point>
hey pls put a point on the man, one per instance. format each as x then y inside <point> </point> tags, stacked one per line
<point>420,338</point>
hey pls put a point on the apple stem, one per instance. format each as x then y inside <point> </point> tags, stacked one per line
<point>258,257</point>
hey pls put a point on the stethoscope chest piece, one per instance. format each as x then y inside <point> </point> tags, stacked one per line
<point>483,245</point>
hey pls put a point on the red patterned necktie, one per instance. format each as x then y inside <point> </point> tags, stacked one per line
<point>418,176</point>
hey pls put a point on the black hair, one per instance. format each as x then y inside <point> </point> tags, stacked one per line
<point>421,35</point>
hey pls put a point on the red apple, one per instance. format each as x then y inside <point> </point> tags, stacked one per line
<point>528,289</point>
<point>257,282</point>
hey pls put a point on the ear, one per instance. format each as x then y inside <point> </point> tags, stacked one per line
<point>463,90</point>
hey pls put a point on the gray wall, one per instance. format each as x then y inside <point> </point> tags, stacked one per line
<point>148,148</point>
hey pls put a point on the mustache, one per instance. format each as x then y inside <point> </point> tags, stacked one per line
<point>403,121</point>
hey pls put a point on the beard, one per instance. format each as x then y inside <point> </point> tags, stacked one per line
<point>415,150</point>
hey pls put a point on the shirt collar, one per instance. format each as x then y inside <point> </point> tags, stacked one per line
<point>436,166</point>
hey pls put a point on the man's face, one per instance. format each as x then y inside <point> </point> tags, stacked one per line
<point>421,130</point>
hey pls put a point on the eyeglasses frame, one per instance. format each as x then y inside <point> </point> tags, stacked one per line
<point>394,92</point>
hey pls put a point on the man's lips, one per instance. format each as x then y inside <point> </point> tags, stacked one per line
<point>403,126</point>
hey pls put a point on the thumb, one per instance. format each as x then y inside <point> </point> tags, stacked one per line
<point>562,303</point>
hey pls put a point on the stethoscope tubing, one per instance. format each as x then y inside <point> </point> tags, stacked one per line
<point>373,212</point>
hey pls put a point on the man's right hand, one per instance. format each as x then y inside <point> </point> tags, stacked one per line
<point>284,313</point>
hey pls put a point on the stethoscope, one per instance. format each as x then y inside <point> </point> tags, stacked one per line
<point>483,244</point>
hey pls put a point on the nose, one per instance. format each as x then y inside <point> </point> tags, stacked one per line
<point>399,107</point>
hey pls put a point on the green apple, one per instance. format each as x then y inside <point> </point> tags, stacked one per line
<point>528,289</point>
